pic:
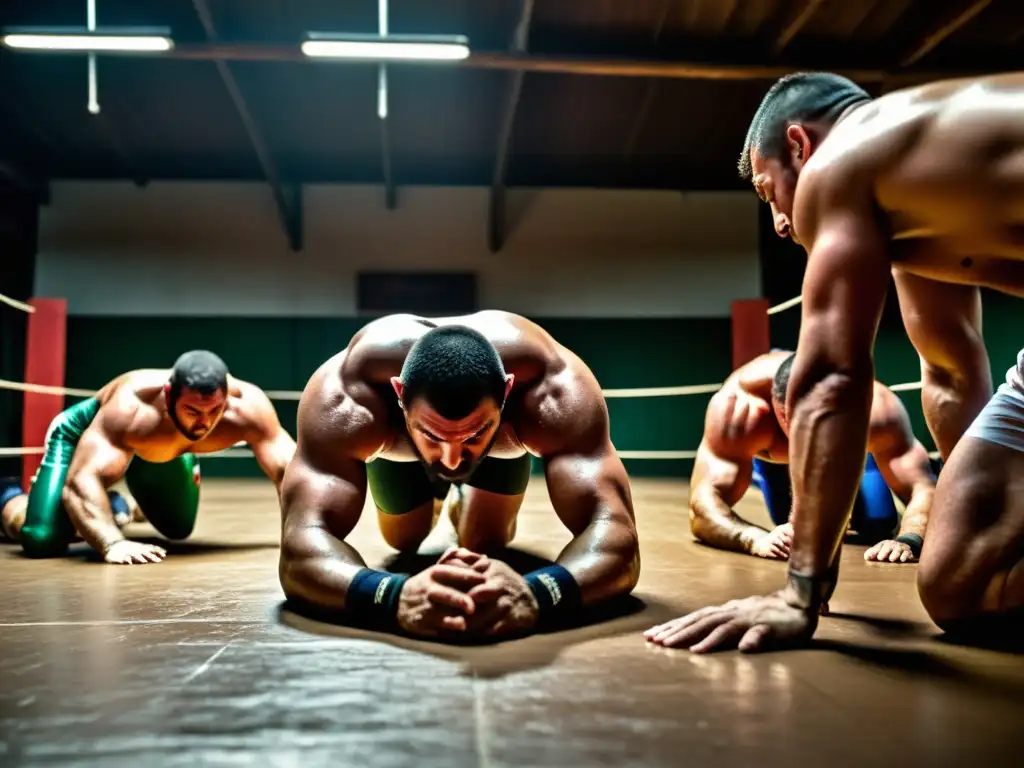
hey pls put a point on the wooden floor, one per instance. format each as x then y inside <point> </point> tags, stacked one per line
<point>194,662</point>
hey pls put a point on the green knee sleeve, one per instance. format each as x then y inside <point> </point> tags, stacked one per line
<point>48,529</point>
<point>167,493</point>
<point>398,487</point>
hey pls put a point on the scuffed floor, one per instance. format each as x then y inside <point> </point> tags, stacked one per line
<point>195,662</point>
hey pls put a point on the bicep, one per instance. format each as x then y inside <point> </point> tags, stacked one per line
<point>316,496</point>
<point>844,291</point>
<point>587,483</point>
<point>97,456</point>
<point>905,467</point>
<point>274,452</point>
<point>843,295</point>
<point>726,477</point>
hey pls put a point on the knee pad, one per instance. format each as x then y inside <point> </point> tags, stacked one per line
<point>38,544</point>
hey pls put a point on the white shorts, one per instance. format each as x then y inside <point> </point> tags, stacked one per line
<point>1001,421</point>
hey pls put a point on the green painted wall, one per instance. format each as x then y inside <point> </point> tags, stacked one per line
<point>282,354</point>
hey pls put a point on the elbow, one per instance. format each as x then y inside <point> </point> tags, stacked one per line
<point>297,580</point>
<point>293,569</point>
<point>632,575</point>
<point>698,522</point>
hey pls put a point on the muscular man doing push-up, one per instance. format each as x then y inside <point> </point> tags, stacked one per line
<point>414,405</point>
<point>746,439</point>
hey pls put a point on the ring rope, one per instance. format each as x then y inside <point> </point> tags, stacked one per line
<point>273,394</point>
<point>787,304</point>
<point>17,304</point>
<point>289,395</point>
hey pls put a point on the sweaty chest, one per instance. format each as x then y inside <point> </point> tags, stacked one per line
<point>166,445</point>
<point>938,259</point>
<point>967,200</point>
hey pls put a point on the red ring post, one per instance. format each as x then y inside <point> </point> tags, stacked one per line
<point>45,350</point>
<point>751,335</point>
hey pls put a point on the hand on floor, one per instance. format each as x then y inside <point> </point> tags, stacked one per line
<point>127,552</point>
<point>890,552</point>
<point>775,544</point>
<point>757,623</point>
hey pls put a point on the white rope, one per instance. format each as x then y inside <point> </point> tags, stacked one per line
<point>788,304</point>
<point>21,451</point>
<point>42,389</point>
<point>657,454</point>
<point>17,304</point>
<point>908,387</point>
<point>280,394</point>
<point>695,389</point>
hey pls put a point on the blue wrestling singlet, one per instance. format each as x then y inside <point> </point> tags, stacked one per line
<point>874,512</point>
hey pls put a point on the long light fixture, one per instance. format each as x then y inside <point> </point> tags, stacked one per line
<point>82,41</point>
<point>386,47</point>
<point>87,43</point>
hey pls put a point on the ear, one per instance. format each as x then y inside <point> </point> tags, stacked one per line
<point>167,392</point>
<point>800,145</point>
<point>399,387</point>
<point>509,381</point>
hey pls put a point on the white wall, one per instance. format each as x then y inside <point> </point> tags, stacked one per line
<point>219,249</point>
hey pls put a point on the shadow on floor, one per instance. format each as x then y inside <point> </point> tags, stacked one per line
<point>487,658</point>
<point>895,629</point>
<point>1004,633</point>
<point>923,665</point>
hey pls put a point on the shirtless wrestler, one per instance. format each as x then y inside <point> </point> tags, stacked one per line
<point>413,405</point>
<point>14,503</point>
<point>926,184</point>
<point>145,426</point>
<point>745,440</point>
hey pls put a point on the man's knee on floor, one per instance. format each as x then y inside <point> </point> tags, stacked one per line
<point>40,542</point>
<point>952,589</point>
<point>176,530</point>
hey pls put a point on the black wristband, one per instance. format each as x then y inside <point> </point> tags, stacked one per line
<point>373,597</point>
<point>913,541</point>
<point>812,591</point>
<point>557,593</point>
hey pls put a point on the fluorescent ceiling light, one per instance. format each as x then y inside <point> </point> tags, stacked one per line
<point>82,40</point>
<point>87,43</point>
<point>386,48</point>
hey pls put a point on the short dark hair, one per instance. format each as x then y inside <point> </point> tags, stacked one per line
<point>453,368</point>
<point>780,381</point>
<point>199,371</point>
<point>802,97</point>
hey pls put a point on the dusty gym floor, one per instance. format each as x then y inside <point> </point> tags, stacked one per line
<point>196,661</point>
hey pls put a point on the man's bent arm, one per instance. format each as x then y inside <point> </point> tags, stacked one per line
<point>319,510</point>
<point>271,444</point>
<point>85,496</point>
<point>905,466</point>
<point>590,492</point>
<point>943,322</point>
<point>717,484</point>
<point>830,389</point>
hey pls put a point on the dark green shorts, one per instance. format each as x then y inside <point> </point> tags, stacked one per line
<point>167,493</point>
<point>402,486</point>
